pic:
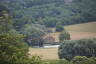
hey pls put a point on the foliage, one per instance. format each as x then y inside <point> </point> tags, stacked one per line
<point>5,22</point>
<point>72,48</point>
<point>61,61</point>
<point>13,31</point>
<point>79,59</point>
<point>34,33</point>
<point>83,60</point>
<point>75,60</point>
<point>35,60</point>
<point>59,28</point>
<point>50,12</point>
<point>64,36</point>
<point>29,18</point>
<point>12,49</point>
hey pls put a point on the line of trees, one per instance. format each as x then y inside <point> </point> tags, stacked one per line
<point>71,48</point>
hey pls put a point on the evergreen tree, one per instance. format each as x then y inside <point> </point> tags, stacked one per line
<point>12,49</point>
<point>5,21</point>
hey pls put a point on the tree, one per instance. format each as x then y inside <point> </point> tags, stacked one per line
<point>72,48</point>
<point>34,33</point>
<point>49,21</point>
<point>83,60</point>
<point>55,11</point>
<point>5,21</point>
<point>59,28</point>
<point>12,49</point>
<point>64,36</point>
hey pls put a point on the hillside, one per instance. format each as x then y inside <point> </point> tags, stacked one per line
<point>50,12</point>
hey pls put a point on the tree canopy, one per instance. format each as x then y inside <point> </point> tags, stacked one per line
<point>50,12</point>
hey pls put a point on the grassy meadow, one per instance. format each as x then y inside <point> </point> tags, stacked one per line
<point>78,31</point>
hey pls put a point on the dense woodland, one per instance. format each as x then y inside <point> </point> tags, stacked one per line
<point>50,12</point>
<point>84,47</point>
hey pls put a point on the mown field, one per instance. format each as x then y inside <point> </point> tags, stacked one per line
<point>85,27</point>
<point>79,31</point>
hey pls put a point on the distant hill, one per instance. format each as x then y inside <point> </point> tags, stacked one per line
<point>50,12</point>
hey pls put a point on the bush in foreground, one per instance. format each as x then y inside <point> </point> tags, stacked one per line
<point>60,61</point>
<point>83,60</point>
<point>75,60</point>
<point>12,49</point>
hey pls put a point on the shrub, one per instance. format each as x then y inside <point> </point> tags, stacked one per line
<point>79,59</point>
<point>83,60</point>
<point>34,33</point>
<point>64,36</point>
<point>35,60</point>
<point>61,61</point>
<point>12,49</point>
<point>72,48</point>
<point>59,28</point>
